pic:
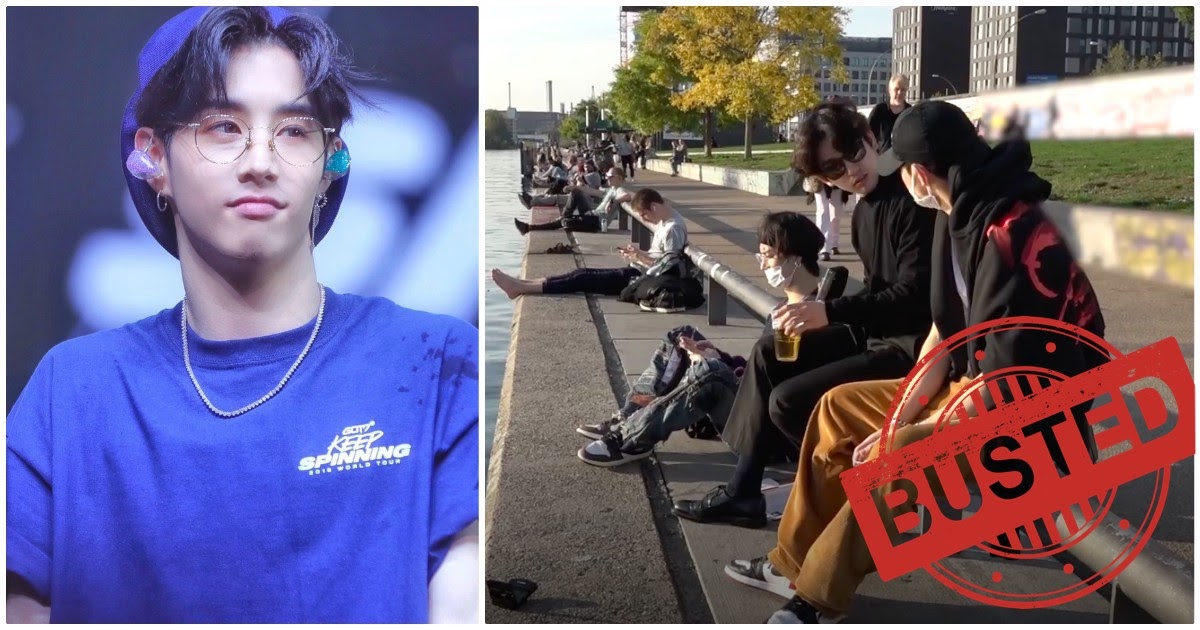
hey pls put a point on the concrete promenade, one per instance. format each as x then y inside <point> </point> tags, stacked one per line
<point>603,544</point>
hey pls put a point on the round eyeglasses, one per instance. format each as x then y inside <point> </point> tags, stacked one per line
<point>299,141</point>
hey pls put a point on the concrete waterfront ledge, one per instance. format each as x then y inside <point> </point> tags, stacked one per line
<point>1145,244</point>
<point>586,536</point>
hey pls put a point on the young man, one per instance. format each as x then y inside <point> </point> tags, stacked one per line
<point>997,255</point>
<point>788,246</point>
<point>668,241</point>
<point>883,115</point>
<point>871,335</point>
<point>598,219</point>
<point>258,452</point>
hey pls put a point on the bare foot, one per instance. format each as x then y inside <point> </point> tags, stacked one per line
<point>510,285</point>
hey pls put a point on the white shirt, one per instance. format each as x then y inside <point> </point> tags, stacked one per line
<point>670,235</point>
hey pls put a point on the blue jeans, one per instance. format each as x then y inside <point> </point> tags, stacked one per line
<point>707,390</point>
<point>684,392</point>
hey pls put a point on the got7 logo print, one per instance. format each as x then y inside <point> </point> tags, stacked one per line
<point>353,449</point>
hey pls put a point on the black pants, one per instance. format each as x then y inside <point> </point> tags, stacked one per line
<point>599,281</point>
<point>775,399</point>
<point>556,187</point>
<point>587,223</point>
<point>627,165</point>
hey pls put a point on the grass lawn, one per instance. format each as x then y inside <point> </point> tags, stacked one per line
<point>1149,173</point>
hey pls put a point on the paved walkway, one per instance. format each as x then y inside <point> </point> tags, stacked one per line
<point>722,222</point>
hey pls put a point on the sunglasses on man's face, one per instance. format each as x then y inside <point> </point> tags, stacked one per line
<point>835,168</point>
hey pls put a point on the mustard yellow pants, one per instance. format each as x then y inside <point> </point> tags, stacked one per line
<point>821,549</point>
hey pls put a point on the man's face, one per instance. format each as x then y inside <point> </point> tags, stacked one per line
<point>898,91</point>
<point>651,213</point>
<point>853,173</point>
<point>258,207</point>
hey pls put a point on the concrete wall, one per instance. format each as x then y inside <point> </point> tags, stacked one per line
<point>767,183</point>
<point>1153,245</point>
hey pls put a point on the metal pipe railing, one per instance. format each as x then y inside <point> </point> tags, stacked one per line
<point>1157,581</point>
<point>723,281</point>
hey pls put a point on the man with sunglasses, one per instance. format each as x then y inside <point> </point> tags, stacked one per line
<point>872,335</point>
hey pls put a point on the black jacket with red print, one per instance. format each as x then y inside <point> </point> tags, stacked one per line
<point>1014,263</point>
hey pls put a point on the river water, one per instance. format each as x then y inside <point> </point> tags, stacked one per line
<point>503,248</point>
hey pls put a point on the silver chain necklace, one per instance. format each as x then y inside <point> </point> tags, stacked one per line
<point>187,362</point>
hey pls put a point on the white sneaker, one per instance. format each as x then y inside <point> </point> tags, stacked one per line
<point>760,574</point>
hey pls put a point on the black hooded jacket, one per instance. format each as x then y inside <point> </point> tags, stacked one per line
<point>1014,263</point>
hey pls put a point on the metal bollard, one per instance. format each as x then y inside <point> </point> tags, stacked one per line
<point>718,302</point>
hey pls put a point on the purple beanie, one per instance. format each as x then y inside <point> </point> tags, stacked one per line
<point>163,44</point>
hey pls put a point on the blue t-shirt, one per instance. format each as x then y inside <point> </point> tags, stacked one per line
<point>335,501</point>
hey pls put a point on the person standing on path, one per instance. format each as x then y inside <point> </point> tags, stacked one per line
<point>883,116</point>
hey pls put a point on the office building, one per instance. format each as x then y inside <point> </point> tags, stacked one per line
<point>868,62</point>
<point>932,45</point>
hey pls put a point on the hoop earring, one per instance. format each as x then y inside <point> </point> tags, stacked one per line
<point>161,203</point>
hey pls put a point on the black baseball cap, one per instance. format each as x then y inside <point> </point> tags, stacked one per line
<point>932,132</point>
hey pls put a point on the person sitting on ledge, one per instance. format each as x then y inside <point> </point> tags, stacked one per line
<point>997,255</point>
<point>596,220</point>
<point>661,402</point>
<point>670,237</point>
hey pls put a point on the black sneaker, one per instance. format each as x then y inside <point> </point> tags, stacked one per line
<point>606,452</point>
<point>836,252</point>
<point>760,574</point>
<point>600,429</point>
<point>825,256</point>
<point>799,611</point>
<point>526,200</point>
<point>661,306</point>
<point>719,507</point>
<point>522,226</point>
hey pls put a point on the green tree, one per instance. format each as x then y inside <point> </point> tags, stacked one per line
<point>753,61</point>
<point>1187,17</point>
<point>571,129</point>
<point>641,91</point>
<point>1117,60</point>
<point>497,133</point>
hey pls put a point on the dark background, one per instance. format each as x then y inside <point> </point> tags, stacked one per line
<point>70,74</point>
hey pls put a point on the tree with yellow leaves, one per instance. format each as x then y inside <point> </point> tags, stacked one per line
<point>754,61</point>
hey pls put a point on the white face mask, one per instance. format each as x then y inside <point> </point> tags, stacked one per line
<point>927,201</point>
<point>775,276</point>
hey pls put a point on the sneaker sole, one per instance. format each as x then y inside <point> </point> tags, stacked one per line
<point>615,462</point>
<point>737,521</point>
<point>753,583</point>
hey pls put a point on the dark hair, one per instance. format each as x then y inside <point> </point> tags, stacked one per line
<point>193,79</point>
<point>843,125</point>
<point>793,234</point>
<point>644,198</point>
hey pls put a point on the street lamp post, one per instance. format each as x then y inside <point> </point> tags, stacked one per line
<point>1095,60</point>
<point>1004,38</point>
<point>938,76</point>
<point>871,76</point>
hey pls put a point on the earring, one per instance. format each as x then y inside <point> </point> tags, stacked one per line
<point>142,166</point>
<point>318,204</point>
<point>161,203</point>
<point>338,164</point>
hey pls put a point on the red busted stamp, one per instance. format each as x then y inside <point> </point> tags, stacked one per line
<point>1036,490</point>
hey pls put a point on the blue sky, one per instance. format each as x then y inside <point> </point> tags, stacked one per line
<point>576,45</point>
